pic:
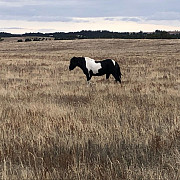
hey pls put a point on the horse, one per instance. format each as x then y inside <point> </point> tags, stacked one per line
<point>91,67</point>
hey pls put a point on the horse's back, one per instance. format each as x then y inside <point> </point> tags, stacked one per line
<point>108,63</point>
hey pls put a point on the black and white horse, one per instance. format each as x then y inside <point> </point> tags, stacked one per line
<point>91,67</point>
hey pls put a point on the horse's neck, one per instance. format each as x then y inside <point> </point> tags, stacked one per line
<point>81,65</point>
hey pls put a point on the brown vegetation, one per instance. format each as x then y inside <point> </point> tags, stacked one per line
<point>52,126</point>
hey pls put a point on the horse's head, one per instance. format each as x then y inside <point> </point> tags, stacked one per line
<point>73,63</point>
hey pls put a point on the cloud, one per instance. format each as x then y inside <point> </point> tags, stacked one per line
<point>46,30</point>
<point>47,10</point>
<point>50,19</point>
<point>134,19</point>
<point>164,16</point>
<point>21,3</point>
<point>11,28</point>
<point>87,12</point>
<point>79,24</point>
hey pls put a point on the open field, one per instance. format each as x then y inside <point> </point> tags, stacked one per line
<point>52,126</point>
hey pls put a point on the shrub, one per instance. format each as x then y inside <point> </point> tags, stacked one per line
<point>37,39</point>
<point>20,40</point>
<point>27,40</point>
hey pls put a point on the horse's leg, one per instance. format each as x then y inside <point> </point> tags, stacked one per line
<point>117,78</point>
<point>107,76</point>
<point>88,76</point>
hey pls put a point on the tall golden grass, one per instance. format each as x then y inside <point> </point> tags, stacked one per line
<point>54,126</point>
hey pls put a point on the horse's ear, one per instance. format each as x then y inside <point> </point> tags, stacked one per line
<point>73,58</point>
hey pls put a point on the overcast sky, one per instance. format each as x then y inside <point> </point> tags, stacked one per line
<point>20,16</point>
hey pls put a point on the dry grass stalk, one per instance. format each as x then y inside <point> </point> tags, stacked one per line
<point>52,126</point>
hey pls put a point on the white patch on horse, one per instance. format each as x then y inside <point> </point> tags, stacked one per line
<point>92,65</point>
<point>113,62</point>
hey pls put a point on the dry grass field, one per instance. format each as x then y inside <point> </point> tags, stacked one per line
<point>54,126</point>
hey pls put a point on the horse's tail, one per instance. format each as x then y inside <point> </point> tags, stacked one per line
<point>118,71</point>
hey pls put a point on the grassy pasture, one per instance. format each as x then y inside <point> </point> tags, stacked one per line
<point>52,126</point>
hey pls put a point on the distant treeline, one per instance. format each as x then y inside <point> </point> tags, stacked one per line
<point>99,35</point>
